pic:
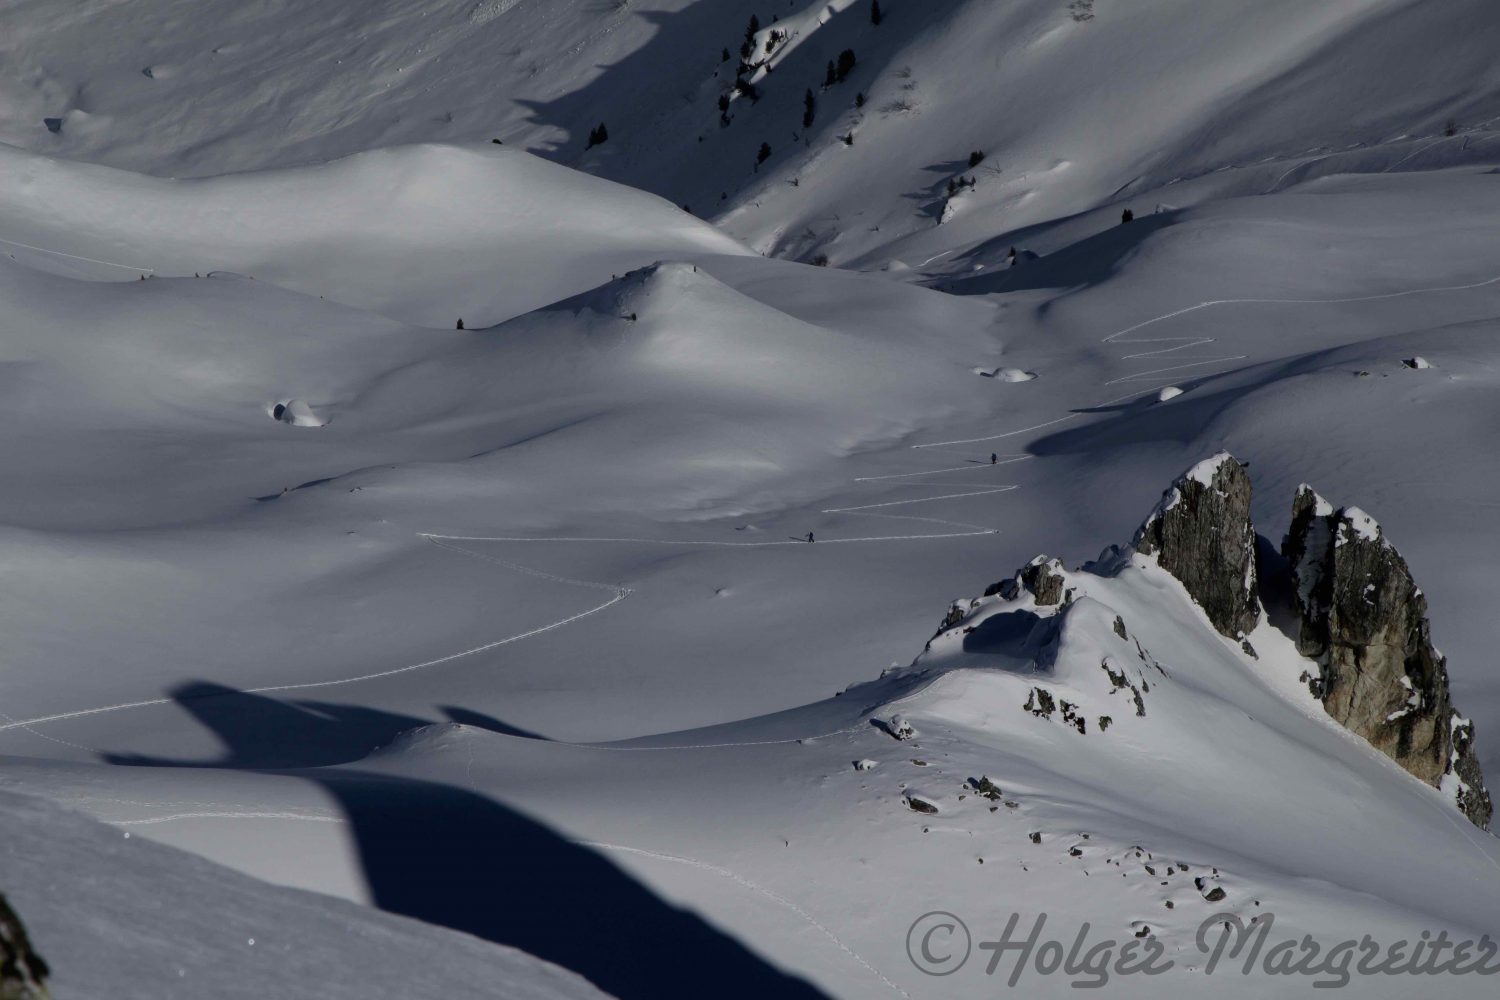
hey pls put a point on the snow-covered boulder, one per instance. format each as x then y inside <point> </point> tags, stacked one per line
<point>297,413</point>
<point>900,727</point>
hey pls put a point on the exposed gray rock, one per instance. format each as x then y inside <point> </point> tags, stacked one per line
<point>1200,532</point>
<point>1042,578</point>
<point>916,803</point>
<point>1364,620</point>
<point>23,973</point>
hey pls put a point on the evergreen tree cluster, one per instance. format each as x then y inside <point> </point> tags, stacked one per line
<point>839,71</point>
<point>598,136</point>
<point>957,184</point>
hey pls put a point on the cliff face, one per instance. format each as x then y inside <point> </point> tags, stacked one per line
<point>22,971</point>
<point>1200,532</point>
<point>1364,620</point>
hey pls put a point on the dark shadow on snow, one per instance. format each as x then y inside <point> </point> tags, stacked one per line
<point>458,859</point>
<point>1090,261</point>
<point>1005,633</point>
<point>467,717</point>
<point>261,733</point>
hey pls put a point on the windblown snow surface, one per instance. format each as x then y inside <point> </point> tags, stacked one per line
<point>514,627</point>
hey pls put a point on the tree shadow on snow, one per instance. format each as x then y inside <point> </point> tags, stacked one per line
<point>458,859</point>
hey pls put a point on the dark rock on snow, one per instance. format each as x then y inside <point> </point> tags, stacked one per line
<point>1042,578</point>
<point>1200,532</point>
<point>1363,618</point>
<point>22,970</point>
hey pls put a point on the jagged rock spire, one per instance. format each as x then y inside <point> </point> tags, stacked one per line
<point>1200,532</point>
<point>1365,621</point>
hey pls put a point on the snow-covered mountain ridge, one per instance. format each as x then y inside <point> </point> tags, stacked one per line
<point>1359,620</point>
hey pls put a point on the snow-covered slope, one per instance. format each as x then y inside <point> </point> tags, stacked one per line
<point>430,235</point>
<point>116,915</point>
<point>1074,103</point>
<point>517,629</point>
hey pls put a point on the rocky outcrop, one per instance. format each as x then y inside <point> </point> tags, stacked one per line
<point>1359,617</point>
<point>1364,620</point>
<point>22,971</point>
<point>1200,532</point>
<point>1042,578</point>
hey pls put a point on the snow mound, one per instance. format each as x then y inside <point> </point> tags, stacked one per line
<point>296,413</point>
<point>1169,392</point>
<point>1007,374</point>
<point>484,233</point>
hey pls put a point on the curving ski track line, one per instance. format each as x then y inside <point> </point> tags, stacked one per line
<point>617,594</point>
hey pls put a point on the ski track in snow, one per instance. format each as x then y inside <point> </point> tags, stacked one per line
<point>228,814</point>
<point>776,898</point>
<point>1187,343</point>
<point>74,256</point>
<point>618,593</point>
<point>719,870</point>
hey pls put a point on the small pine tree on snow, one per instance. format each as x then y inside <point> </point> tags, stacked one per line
<point>598,136</point>
<point>754,26</point>
<point>725,57</point>
<point>859,99</point>
<point>809,108</point>
<point>875,12</point>
<point>723,102</point>
<point>1126,216</point>
<point>975,158</point>
<point>746,48</point>
<point>831,77</point>
<point>460,325</point>
<point>845,65</point>
<point>764,154</point>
